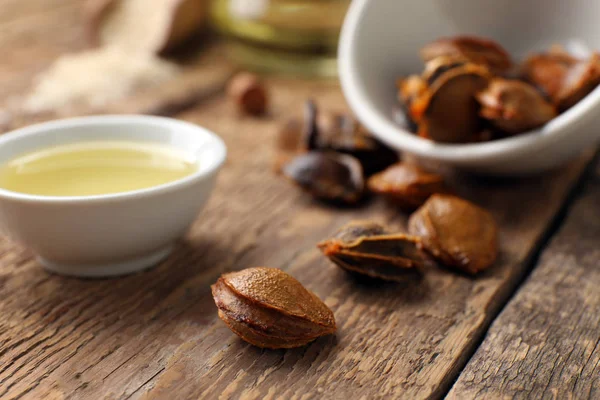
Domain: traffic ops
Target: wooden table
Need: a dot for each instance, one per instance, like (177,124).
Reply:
(528,328)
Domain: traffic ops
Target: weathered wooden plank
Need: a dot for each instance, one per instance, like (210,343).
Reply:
(156,333)
(546,342)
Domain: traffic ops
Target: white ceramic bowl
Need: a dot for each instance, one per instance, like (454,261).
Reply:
(380,42)
(95,236)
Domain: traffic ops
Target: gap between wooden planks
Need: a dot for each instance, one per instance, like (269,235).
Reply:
(546,341)
(156,335)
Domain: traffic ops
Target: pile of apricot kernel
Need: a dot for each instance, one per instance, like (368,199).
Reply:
(471,90)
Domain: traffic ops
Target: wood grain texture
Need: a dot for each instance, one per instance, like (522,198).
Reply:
(156,335)
(546,342)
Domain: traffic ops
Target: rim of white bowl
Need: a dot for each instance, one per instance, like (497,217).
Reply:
(216,143)
(392,134)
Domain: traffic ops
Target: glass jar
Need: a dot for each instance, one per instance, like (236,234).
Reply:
(289,36)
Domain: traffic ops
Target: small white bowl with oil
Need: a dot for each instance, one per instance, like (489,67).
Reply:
(87,224)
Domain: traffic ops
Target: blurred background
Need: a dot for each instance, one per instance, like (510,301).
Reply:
(293,36)
(69,57)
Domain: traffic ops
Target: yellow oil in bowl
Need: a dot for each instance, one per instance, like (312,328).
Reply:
(95,168)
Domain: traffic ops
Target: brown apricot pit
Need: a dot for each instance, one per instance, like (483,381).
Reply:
(513,106)
(248,93)
(578,82)
(451,112)
(547,70)
(268,308)
(367,248)
(565,79)
(456,232)
(406,184)
(473,49)
(335,132)
(441,103)
(328,176)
